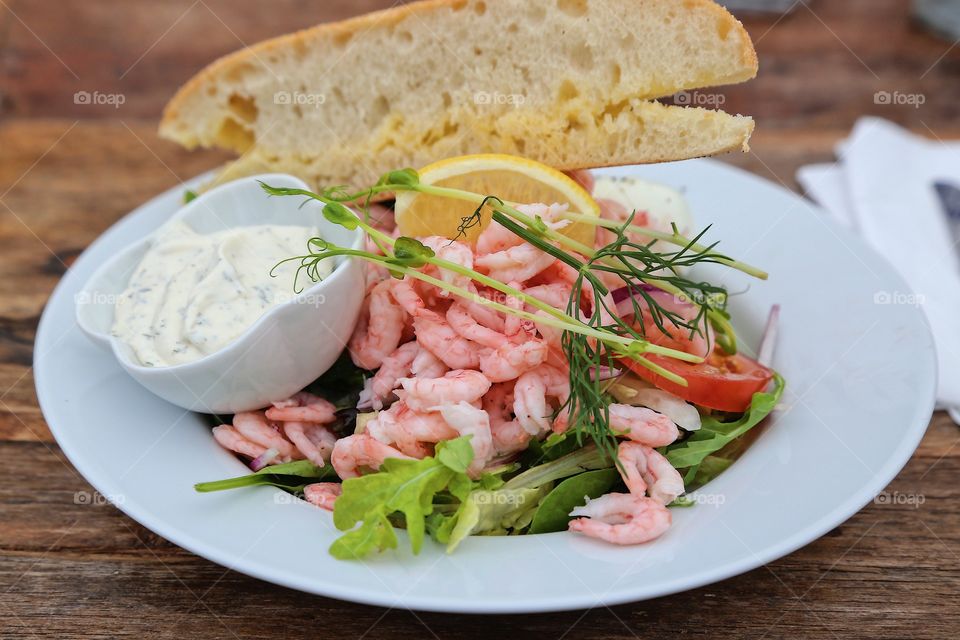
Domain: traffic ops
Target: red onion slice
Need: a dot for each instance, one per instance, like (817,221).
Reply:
(264,459)
(599,374)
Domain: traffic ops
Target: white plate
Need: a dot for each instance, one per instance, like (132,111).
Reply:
(861,378)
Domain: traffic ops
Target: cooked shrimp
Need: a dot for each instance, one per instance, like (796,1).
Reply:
(642,425)
(407,297)
(496,237)
(408,430)
(360,450)
(395,366)
(553,337)
(483,314)
(530,403)
(231,440)
(323,494)
(380,328)
(521,262)
(374,273)
(442,341)
(427,365)
(645,470)
(557,383)
(514,326)
(312,440)
(510,361)
(555,294)
(468,420)
(303,407)
(683,414)
(508,435)
(451,251)
(253,426)
(458,385)
(621,518)
(460,320)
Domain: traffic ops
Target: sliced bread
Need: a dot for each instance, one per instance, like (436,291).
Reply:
(564,82)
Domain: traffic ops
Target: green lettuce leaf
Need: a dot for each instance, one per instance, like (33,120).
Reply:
(486,512)
(713,435)
(406,487)
(553,514)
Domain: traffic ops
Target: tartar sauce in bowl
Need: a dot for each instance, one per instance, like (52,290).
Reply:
(192,294)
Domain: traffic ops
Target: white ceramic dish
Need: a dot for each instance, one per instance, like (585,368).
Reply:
(860,392)
(280,353)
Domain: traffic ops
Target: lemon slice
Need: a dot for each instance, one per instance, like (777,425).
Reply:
(510,178)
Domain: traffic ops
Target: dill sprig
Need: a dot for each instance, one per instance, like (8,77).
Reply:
(635,265)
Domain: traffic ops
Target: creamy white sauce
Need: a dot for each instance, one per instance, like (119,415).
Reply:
(194,294)
(661,203)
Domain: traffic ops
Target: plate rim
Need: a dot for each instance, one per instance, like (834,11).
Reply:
(913,434)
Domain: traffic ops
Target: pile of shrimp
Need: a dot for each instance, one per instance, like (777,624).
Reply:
(291,429)
(447,366)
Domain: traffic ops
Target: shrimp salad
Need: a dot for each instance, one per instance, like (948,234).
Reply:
(510,380)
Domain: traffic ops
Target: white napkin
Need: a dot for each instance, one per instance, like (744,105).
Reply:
(883,188)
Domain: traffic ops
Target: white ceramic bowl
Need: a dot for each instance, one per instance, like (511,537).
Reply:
(280,353)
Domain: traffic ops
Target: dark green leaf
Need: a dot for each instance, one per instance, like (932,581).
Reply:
(553,512)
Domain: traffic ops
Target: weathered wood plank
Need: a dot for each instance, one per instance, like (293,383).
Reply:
(890,571)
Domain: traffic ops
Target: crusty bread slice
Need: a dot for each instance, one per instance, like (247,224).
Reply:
(564,82)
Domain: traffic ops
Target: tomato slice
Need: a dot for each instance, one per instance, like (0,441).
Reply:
(722,381)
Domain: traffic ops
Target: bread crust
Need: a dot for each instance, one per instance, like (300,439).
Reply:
(358,24)
(185,118)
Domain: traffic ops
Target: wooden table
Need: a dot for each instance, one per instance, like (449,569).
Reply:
(68,171)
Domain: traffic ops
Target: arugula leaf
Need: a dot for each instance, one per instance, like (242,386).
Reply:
(288,475)
(401,486)
(189,196)
(710,468)
(554,510)
(713,435)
